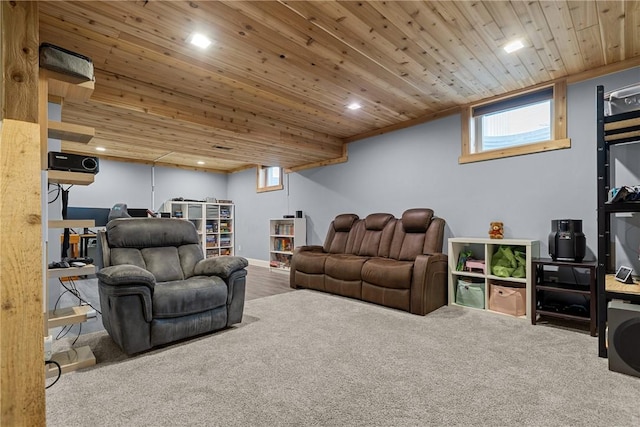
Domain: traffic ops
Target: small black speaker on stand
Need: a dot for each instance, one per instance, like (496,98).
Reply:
(298,214)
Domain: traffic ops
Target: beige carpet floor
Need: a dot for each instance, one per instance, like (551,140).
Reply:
(306,358)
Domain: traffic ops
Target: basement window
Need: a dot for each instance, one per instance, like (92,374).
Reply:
(269,178)
(524,123)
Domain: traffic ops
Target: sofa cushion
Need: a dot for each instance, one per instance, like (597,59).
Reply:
(311,262)
(338,234)
(388,273)
(416,220)
(150,232)
(344,266)
(378,235)
(190,296)
(127,256)
(163,263)
(344,222)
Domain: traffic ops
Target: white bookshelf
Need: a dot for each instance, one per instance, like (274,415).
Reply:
(285,234)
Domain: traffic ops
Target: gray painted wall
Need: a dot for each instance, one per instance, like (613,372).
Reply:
(418,167)
(414,167)
(133,184)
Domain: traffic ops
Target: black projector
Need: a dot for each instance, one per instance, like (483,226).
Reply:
(73,162)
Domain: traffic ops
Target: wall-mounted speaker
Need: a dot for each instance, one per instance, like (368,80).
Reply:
(624,337)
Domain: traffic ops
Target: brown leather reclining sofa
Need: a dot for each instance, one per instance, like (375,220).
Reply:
(394,262)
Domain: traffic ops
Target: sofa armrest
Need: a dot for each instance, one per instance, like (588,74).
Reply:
(223,266)
(126,275)
(429,283)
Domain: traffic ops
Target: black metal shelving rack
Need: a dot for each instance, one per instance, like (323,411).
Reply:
(611,130)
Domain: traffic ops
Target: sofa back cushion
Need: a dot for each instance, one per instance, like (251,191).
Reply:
(338,234)
(416,233)
(377,232)
(168,248)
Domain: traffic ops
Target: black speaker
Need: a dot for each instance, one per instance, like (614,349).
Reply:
(73,162)
(624,337)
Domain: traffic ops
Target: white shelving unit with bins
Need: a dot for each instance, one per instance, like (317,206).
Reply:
(285,234)
(59,86)
(213,221)
(484,249)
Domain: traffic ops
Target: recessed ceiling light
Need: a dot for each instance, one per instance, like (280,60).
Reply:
(101,149)
(200,162)
(513,46)
(354,106)
(200,40)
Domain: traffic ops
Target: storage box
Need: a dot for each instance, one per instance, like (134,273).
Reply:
(623,100)
(470,294)
(507,299)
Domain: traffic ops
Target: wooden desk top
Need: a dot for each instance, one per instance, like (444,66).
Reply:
(612,285)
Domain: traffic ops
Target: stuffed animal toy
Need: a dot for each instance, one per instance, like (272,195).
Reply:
(496,230)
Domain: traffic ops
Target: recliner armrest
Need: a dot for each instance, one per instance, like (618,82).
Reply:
(223,266)
(126,274)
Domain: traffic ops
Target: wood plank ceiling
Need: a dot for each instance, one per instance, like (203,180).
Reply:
(274,87)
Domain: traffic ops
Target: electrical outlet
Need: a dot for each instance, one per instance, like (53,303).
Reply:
(48,347)
(91,314)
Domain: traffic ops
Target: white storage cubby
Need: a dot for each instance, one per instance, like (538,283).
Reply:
(484,249)
(213,221)
(285,234)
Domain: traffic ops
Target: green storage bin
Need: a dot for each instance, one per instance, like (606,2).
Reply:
(470,294)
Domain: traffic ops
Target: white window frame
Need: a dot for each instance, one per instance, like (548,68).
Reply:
(558,139)
(262,181)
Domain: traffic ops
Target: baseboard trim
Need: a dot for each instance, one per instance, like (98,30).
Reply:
(258,262)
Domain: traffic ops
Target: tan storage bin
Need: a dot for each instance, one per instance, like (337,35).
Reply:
(508,299)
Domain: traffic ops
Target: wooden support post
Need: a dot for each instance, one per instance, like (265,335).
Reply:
(22,373)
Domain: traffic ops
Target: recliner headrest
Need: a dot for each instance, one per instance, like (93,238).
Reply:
(416,220)
(150,232)
(344,222)
(377,221)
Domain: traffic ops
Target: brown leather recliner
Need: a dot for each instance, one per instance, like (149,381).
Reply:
(393,262)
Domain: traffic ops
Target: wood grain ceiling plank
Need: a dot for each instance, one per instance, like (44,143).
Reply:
(136,127)
(508,20)
(539,33)
(248,155)
(483,13)
(260,57)
(78,14)
(138,96)
(268,135)
(194,144)
(434,44)
(561,26)
(612,17)
(395,52)
(584,14)
(450,23)
(317,53)
(632,29)
(125,57)
(591,46)
(333,67)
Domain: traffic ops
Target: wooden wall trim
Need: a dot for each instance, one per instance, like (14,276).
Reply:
(22,381)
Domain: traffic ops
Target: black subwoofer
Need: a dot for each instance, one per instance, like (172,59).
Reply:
(624,337)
